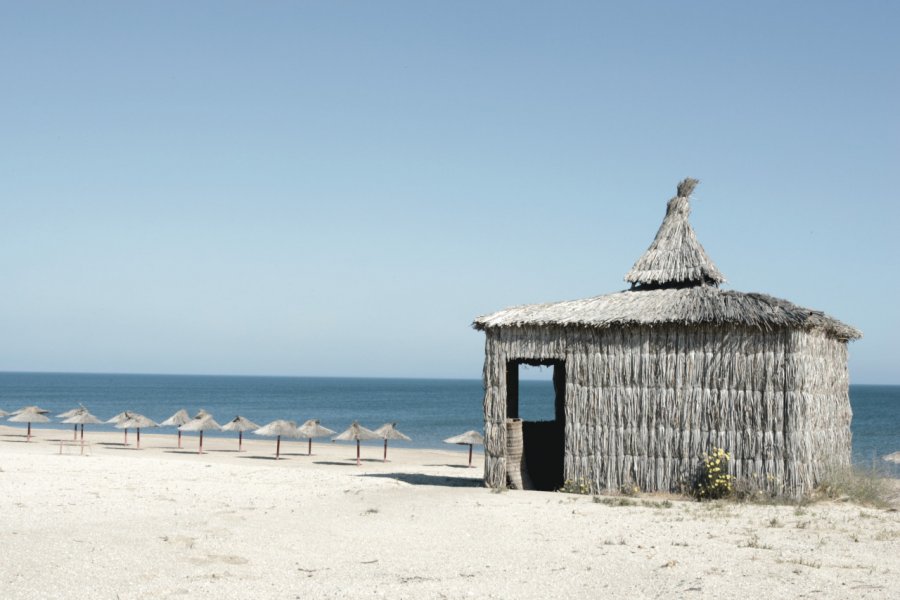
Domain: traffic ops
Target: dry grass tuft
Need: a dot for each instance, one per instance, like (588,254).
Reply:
(867,487)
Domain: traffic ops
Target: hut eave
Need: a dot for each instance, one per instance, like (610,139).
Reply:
(701,305)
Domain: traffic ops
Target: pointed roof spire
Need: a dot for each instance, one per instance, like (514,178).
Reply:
(675,258)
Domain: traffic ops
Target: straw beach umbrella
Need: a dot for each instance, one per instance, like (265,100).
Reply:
(201,424)
(136,421)
(469,438)
(389,431)
(119,418)
(278,428)
(177,420)
(240,424)
(82,417)
(27,416)
(3,413)
(357,432)
(71,413)
(311,429)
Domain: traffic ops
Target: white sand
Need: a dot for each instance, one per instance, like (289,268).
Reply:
(154,523)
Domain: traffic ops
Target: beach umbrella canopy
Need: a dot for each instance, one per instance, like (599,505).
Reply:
(136,421)
(34,409)
(202,414)
(177,420)
(469,438)
(389,431)
(278,429)
(240,424)
(359,433)
(894,457)
(202,424)
(312,429)
(3,413)
(28,416)
(122,416)
(72,412)
(81,417)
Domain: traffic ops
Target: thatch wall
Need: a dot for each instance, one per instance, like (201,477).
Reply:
(643,404)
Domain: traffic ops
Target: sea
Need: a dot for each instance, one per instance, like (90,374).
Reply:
(427,410)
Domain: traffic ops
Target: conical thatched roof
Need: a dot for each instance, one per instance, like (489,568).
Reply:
(136,421)
(202,413)
(389,431)
(357,432)
(179,418)
(279,427)
(469,437)
(29,416)
(675,257)
(240,423)
(82,417)
(674,282)
(206,423)
(312,429)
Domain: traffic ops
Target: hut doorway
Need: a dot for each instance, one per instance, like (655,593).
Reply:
(543,439)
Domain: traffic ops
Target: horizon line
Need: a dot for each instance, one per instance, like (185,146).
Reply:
(270,376)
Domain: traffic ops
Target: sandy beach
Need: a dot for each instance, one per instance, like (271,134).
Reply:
(163,523)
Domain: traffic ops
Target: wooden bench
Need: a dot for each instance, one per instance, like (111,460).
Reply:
(68,444)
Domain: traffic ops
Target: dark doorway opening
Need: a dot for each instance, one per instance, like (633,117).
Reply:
(543,440)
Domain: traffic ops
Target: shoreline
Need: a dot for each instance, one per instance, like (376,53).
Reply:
(225,444)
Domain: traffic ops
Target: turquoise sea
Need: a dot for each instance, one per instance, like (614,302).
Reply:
(427,410)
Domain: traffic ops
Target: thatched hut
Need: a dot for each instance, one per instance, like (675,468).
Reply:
(649,379)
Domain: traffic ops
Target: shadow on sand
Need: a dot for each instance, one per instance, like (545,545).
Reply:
(350,462)
(466,467)
(420,479)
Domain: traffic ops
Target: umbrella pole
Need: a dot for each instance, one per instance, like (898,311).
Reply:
(138,438)
(28,437)
(309,448)
(385,451)
(82,432)
(126,436)
(277,447)
(75,437)
(200,451)
(470,455)
(357,453)
(179,439)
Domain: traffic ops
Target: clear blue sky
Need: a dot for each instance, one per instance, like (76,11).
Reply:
(339,188)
